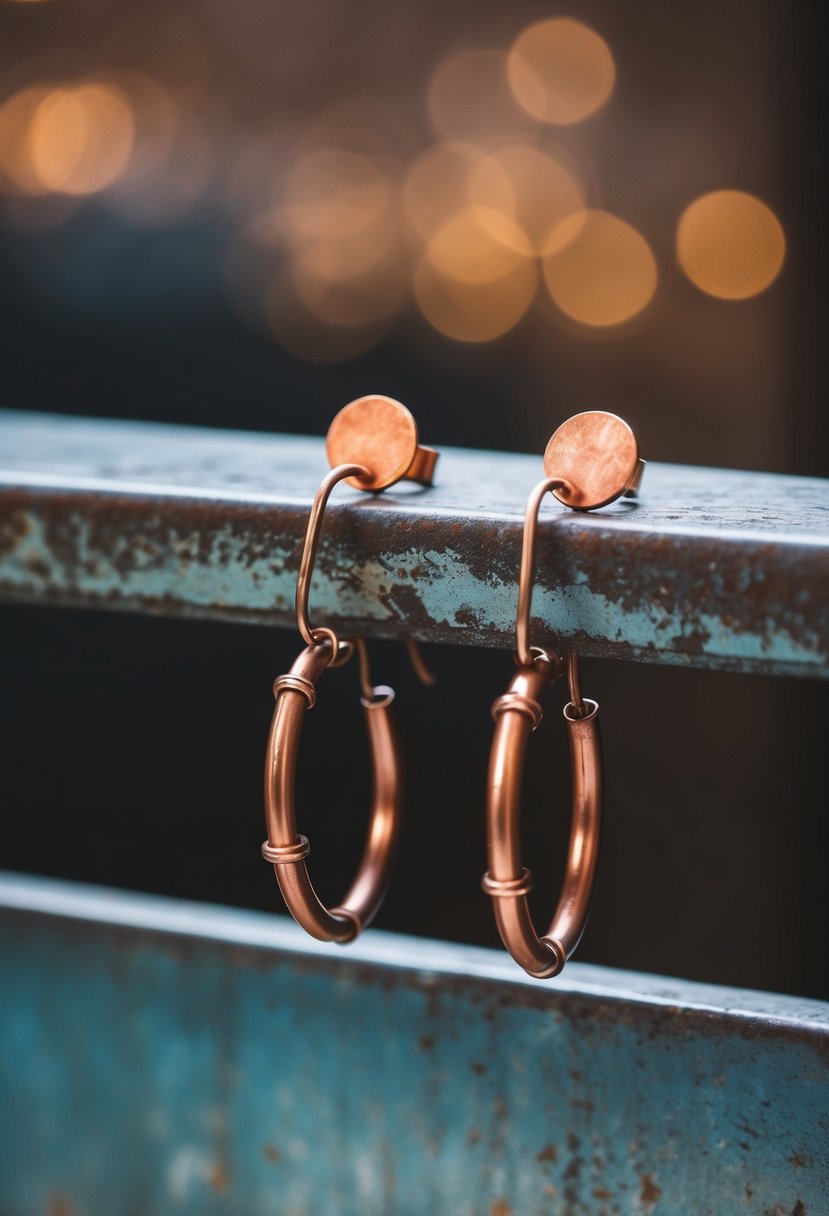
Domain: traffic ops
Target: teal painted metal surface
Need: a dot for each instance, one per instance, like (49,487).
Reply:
(713,568)
(160,1057)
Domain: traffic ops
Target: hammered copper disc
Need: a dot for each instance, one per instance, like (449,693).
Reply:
(379,434)
(597,454)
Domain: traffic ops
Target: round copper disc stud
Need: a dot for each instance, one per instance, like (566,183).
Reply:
(378,433)
(597,454)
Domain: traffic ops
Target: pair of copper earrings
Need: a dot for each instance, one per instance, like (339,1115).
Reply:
(590,461)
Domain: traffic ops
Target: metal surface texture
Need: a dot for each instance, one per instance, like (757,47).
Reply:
(711,568)
(177,1058)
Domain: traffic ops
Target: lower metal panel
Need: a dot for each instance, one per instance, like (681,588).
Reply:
(160,1057)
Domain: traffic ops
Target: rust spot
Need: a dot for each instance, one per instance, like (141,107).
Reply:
(798,1161)
(478,1068)
(650,1192)
(59,1205)
(799,1208)
(500,1208)
(548,1153)
(571,1174)
(601,1192)
(463,616)
(271,1153)
(38,566)
(474,1136)
(219,1178)
(426,1042)
(16,527)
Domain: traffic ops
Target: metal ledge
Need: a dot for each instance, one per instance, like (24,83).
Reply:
(712,568)
(173,1057)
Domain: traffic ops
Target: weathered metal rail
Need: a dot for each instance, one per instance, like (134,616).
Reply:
(712,568)
(169,1057)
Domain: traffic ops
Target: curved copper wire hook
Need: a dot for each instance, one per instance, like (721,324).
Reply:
(396,456)
(517,714)
(309,553)
(526,573)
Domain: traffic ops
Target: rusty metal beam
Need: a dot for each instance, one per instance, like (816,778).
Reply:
(712,568)
(161,1056)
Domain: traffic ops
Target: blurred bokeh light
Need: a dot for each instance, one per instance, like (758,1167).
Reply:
(730,244)
(561,71)
(328,180)
(475,311)
(599,270)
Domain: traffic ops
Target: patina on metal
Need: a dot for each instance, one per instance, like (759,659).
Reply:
(714,568)
(259,1072)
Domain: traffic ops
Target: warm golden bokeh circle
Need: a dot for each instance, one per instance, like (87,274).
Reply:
(438,186)
(598,269)
(478,245)
(474,312)
(560,70)
(541,191)
(16,115)
(362,253)
(80,138)
(334,193)
(469,97)
(74,139)
(730,244)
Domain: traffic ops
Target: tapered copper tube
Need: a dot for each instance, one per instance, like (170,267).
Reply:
(517,713)
(285,848)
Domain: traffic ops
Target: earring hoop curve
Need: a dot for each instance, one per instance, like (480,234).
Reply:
(517,714)
(285,848)
(590,461)
(372,443)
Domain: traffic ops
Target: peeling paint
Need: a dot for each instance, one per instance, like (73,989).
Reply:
(713,569)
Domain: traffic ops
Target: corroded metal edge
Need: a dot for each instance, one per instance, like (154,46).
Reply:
(416,960)
(259,1073)
(719,601)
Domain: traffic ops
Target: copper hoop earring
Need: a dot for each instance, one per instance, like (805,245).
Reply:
(591,460)
(372,443)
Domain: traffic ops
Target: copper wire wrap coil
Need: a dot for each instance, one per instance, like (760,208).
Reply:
(285,848)
(507,882)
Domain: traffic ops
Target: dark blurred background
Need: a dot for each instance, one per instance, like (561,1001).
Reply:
(245,216)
